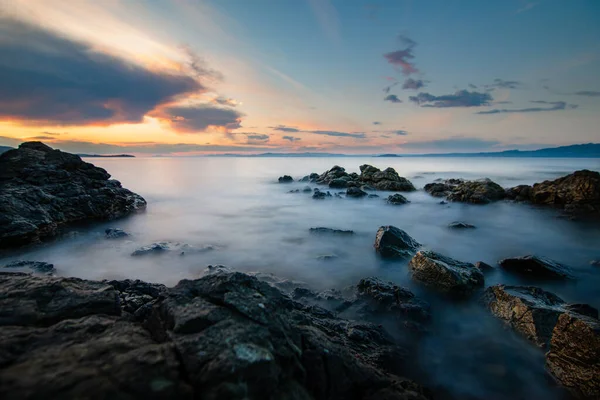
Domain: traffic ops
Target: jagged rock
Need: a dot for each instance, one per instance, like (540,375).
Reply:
(115,233)
(323,230)
(44,190)
(571,332)
(445,274)
(37,267)
(438,189)
(340,183)
(285,179)
(460,225)
(480,191)
(536,267)
(355,192)
(391,242)
(320,195)
(397,199)
(227,335)
(387,179)
(484,267)
(163,247)
(577,193)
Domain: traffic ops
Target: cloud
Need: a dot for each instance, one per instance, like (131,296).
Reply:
(53,133)
(47,78)
(462,98)
(40,138)
(376,123)
(403,58)
(398,132)
(504,84)
(224,101)
(291,138)
(554,106)
(195,119)
(452,144)
(328,19)
(358,135)
(527,6)
(256,138)
(588,93)
(389,87)
(414,84)
(392,98)
(283,128)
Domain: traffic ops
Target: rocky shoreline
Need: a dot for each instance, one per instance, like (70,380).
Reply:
(240,336)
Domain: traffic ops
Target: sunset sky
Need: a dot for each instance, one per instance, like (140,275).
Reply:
(340,76)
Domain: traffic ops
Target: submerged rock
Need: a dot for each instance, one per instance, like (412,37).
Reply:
(577,193)
(306,189)
(536,267)
(285,179)
(163,247)
(320,195)
(37,267)
(460,225)
(44,190)
(391,242)
(355,192)
(571,332)
(115,233)
(397,199)
(445,274)
(480,191)
(323,230)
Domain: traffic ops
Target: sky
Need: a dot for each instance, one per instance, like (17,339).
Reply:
(185,77)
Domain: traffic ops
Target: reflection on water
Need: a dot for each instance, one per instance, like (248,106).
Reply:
(236,205)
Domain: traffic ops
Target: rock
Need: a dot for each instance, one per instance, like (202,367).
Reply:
(595,263)
(285,179)
(43,191)
(372,196)
(313,177)
(306,189)
(438,189)
(443,202)
(387,179)
(391,242)
(339,183)
(460,225)
(484,267)
(327,257)
(323,230)
(577,193)
(305,178)
(480,191)
(37,267)
(294,191)
(115,233)
(536,267)
(397,199)
(368,188)
(334,173)
(320,195)
(570,332)
(227,335)
(355,192)
(164,247)
(445,274)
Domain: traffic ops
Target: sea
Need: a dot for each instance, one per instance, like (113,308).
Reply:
(236,212)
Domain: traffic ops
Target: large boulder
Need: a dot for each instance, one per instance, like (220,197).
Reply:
(387,179)
(355,192)
(577,193)
(225,336)
(571,333)
(397,199)
(43,190)
(285,179)
(481,191)
(445,274)
(536,267)
(392,242)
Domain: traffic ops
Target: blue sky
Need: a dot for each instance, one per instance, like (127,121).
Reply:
(302,75)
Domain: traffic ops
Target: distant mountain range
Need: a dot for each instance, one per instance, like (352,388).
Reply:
(107,155)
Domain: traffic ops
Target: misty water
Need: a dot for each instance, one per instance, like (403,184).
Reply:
(254,224)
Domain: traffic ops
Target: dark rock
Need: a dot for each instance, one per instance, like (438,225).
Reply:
(320,195)
(334,173)
(44,190)
(327,257)
(391,242)
(294,191)
(484,267)
(339,183)
(115,233)
(595,263)
(372,196)
(37,267)
(164,247)
(355,192)
(397,199)
(438,189)
(570,332)
(387,179)
(313,177)
(536,267)
(443,202)
(460,225)
(480,191)
(227,335)
(323,230)
(285,179)
(305,178)
(519,193)
(306,189)
(445,274)
(367,188)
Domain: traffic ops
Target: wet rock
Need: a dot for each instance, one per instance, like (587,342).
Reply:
(355,192)
(323,230)
(537,267)
(285,179)
(227,335)
(397,199)
(480,191)
(36,267)
(445,274)
(387,179)
(460,225)
(443,202)
(165,247)
(43,191)
(339,183)
(391,242)
(484,267)
(115,233)
(438,189)
(320,195)
(306,189)
(577,193)
(570,332)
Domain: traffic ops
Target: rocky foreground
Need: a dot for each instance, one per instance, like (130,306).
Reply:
(43,190)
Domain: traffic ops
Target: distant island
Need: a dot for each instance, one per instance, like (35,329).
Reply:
(389,155)
(588,150)
(106,155)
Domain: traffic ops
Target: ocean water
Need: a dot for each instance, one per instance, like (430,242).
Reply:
(236,206)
